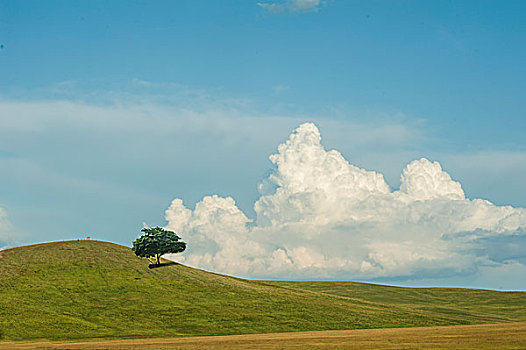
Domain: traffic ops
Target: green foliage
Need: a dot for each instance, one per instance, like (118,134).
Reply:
(156,242)
(90,289)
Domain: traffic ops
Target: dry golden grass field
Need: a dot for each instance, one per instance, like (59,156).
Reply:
(488,336)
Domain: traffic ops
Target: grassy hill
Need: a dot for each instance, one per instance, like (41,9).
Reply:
(90,289)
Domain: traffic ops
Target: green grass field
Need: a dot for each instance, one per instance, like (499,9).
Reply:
(89,289)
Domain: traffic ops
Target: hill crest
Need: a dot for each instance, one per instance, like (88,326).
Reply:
(92,289)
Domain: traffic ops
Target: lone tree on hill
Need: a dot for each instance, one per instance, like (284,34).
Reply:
(156,242)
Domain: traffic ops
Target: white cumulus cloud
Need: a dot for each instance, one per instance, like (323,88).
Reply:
(319,216)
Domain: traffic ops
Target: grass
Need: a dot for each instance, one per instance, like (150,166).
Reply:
(457,303)
(494,336)
(89,289)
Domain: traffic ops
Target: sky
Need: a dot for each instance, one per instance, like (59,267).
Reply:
(380,141)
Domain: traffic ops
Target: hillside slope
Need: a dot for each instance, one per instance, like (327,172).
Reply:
(90,289)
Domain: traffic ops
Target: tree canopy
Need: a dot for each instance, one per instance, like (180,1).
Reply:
(156,242)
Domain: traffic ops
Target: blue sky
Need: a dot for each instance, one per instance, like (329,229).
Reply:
(108,111)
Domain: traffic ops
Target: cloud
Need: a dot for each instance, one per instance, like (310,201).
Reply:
(272,7)
(489,172)
(81,162)
(278,89)
(295,6)
(304,5)
(7,233)
(318,217)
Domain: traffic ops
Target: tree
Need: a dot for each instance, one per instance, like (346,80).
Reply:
(156,242)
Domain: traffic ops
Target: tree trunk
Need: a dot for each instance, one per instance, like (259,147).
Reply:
(158,261)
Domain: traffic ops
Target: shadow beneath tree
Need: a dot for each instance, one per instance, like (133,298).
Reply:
(167,263)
